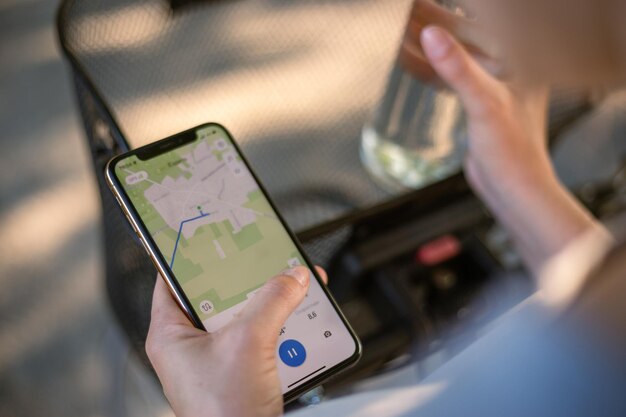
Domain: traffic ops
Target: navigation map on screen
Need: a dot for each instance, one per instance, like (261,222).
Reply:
(208,217)
(221,238)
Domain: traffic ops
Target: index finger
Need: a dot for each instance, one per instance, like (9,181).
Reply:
(164,307)
(427,13)
(322,273)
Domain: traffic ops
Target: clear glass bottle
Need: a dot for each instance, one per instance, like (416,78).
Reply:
(417,133)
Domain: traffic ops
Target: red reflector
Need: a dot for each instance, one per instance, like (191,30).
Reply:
(438,250)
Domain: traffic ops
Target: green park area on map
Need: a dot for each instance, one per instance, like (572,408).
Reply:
(215,263)
(258,252)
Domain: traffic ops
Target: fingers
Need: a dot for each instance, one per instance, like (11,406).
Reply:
(164,307)
(322,273)
(167,323)
(411,55)
(165,310)
(276,300)
(477,89)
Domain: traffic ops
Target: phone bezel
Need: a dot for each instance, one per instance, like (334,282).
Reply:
(173,142)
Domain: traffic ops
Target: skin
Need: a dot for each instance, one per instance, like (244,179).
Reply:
(565,43)
(507,162)
(233,372)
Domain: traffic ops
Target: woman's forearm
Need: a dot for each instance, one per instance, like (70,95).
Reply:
(542,216)
(507,161)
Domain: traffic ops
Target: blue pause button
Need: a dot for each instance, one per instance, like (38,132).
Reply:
(292,353)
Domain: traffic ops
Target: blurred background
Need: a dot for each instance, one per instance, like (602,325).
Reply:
(295,82)
(53,317)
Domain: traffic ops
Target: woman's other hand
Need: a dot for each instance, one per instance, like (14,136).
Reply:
(507,162)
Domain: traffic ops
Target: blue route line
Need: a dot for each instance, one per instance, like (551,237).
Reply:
(180,230)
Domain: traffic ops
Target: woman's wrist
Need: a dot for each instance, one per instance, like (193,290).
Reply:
(541,215)
(503,190)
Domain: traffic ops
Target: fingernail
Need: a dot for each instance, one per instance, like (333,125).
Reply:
(436,42)
(300,274)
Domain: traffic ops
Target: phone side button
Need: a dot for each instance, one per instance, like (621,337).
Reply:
(132,224)
(143,242)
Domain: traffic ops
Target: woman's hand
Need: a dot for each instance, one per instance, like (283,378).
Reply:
(232,372)
(428,12)
(508,163)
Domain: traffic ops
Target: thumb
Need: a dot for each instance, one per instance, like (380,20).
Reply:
(475,86)
(276,300)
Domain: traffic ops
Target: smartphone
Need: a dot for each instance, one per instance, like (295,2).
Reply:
(215,236)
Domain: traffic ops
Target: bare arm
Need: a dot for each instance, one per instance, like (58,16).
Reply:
(508,164)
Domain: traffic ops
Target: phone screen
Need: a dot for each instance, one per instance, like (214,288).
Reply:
(221,238)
